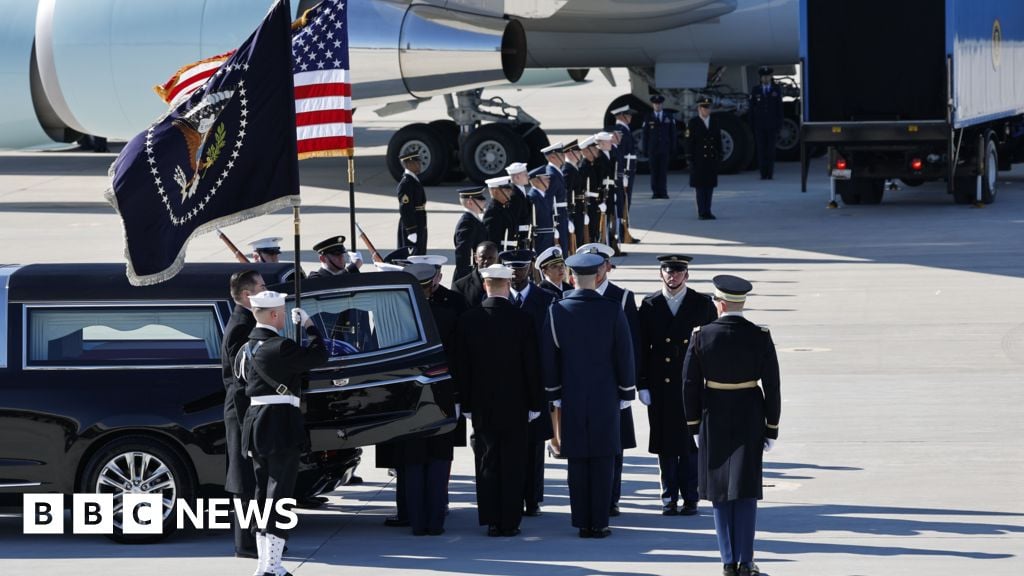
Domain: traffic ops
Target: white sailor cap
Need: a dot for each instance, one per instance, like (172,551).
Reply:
(388,267)
(268,244)
(267,299)
(499,182)
(587,142)
(556,147)
(596,248)
(603,136)
(498,271)
(515,168)
(552,255)
(432,259)
(622,110)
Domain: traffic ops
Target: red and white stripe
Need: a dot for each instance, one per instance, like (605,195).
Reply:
(190,78)
(323,113)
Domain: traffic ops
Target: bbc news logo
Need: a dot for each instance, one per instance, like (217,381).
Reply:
(144,514)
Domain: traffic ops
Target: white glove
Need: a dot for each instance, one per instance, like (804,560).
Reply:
(458,410)
(467,415)
(557,235)
(769,443)
(299,316)
(645,397)
(531,416)
(586,219)
(354,257)
(412,237)
(623,404)
(602,207)
(696,440)
(556,403)
(572,229)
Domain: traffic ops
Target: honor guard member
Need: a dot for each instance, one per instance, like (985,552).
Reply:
(590,183)
(573,194)
(471,286)
(542,221)
(557,192)
(519,202)
(704,153)
(239,480)
(266,250)
(534,301)
(766,118)
(605,168)
(588,369)
(500,215)
(666,322)
(496,366)
(659,144)
(469,230)
(552,271)
(627,302)
(412,206)
(732,418)
(332,258)
(273,433)
(627,153)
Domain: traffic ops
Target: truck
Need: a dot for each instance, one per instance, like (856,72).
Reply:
(916,90)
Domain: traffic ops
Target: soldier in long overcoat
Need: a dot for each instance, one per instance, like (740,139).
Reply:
(766,113)
(704,153)
(733,419)
(665,323)
(412,206)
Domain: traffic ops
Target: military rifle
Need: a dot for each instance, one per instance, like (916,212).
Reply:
(231,246)
(626,236)
(377,258)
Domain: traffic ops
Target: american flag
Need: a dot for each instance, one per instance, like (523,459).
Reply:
(323,93)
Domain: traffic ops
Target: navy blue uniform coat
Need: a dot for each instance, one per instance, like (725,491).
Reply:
(240,479)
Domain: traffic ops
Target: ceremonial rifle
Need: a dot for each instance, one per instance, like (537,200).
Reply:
(231,246)
(377,258)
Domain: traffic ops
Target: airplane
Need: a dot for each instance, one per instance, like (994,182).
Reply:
(74,68)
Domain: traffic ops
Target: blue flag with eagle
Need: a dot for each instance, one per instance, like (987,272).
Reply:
(225,154)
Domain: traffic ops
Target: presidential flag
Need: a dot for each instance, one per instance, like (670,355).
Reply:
(225,153)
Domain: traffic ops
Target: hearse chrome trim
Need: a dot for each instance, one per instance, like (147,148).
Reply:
(19,484)
(5,276)
(421,380)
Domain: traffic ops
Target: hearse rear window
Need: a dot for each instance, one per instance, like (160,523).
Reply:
(362,322)
(123,336)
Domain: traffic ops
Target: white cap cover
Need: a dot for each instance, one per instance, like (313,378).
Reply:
(267,299)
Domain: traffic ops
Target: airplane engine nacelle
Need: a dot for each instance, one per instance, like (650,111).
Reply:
(98,60)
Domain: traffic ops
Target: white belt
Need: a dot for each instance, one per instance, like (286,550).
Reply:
(524,228)
(279,399)
(591,194)
(561,204)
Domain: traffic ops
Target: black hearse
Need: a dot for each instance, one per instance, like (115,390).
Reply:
(105,386)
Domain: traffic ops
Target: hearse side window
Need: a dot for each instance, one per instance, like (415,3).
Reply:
(123,336)
(362,322)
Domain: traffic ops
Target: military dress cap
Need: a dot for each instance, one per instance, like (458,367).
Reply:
(603,136)
(675,261)
(595,248)
(552,255)
(410,156)
(584,264)
(516,258)
(332,244)
(588,142)
(267,299)
(499,182)
(556,147)
(765,71)
(569,147)
(424,273)
(704,101)
(497,271)
(432,259)
(515,168)
(538,172)
(388,267)
(398,256)
(476,192)
(272,245)
(622,110)
(731,288)
(657,98)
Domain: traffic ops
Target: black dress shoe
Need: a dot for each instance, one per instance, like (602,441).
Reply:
(729,570)
(396,522)
(246,553)
(600,532)
(354,480)
(419,532)
(751,570)
(311,502)
(711,216)
(659,197)
(436,531)
(510,532)
(493,531)
(585,533)
(614,510)
(532,511)
(689,508)
(669,510)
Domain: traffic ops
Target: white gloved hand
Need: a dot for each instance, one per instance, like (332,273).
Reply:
(623,404)
(354,257)
(556,403)
(572,229)
(645,397)
(696,440)
(299,316)
(458,410)
(412,237)
(467,415)
(557,235)
(586,219)
(769,443)
(602,207)
(531,416)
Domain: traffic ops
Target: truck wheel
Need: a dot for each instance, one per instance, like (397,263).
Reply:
(139,465)
(448,130)
(489,149)
(431,147)
(990,183)
(787,143)
(846,190)
(870,190)
(737,143)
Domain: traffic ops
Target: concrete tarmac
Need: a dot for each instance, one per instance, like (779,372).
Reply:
(900,331)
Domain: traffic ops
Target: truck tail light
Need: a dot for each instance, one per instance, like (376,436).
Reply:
(916,164)
(435,371)
(840,163)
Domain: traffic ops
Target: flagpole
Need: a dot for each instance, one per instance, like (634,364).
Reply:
(298,267)
(352,195)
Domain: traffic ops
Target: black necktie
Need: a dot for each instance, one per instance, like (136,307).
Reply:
(519,300)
